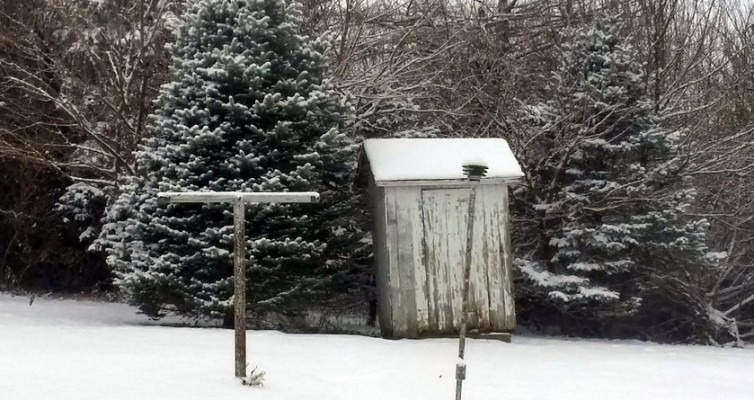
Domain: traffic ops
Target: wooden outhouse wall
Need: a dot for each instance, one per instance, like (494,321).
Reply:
(419,243)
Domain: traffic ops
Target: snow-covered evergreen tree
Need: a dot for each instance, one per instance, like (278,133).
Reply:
(248,109)
(82,206)
(602,205)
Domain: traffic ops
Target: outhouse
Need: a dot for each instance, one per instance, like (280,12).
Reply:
(419,208)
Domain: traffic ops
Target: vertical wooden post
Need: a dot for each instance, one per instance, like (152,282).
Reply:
(239,199)
(239,281)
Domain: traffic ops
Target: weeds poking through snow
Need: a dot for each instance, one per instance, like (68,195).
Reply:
(255,378)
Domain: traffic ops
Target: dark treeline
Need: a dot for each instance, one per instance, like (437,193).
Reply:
(78,80)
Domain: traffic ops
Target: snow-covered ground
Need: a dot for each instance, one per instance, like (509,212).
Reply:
(61,350)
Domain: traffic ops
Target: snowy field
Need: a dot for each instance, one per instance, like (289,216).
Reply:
(84,350)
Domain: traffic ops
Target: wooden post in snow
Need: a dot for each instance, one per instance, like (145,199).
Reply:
(239,285)
(239,200)
(474,173)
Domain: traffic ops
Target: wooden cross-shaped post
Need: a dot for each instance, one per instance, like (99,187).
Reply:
(239,200)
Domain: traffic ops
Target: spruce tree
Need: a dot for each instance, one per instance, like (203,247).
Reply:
(606,190)
(247,109)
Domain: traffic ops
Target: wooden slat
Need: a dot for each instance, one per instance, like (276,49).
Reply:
(456,205)
(405,202)
(411,259)
(433,205)
(507,263)
(479,288)
(495,264)
(246,197)
(421,281)
(430,264)
(394,274)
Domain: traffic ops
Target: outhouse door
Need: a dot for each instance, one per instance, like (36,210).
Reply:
(445,222)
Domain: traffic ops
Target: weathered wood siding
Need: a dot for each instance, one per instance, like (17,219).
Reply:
(381,259)
(420,260)
(405,266)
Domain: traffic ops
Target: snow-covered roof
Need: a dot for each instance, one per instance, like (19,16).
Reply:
(416,160)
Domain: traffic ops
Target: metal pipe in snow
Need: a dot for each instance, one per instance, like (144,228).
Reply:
(475,174)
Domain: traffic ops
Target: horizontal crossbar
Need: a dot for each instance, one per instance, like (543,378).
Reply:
(245,197)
